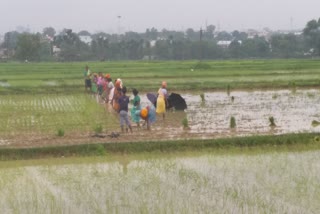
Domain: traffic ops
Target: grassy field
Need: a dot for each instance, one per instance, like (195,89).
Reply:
(46,114)
(41,99)
(36,78)
(252,174)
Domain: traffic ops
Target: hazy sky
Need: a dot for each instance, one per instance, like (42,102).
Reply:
(137,15)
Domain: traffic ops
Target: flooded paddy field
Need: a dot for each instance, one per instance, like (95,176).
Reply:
(292,111)
(273,182)
(34,121)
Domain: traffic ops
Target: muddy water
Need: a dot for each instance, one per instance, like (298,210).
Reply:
(293,112)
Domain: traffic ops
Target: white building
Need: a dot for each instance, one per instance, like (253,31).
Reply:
(224,44)
(86,39)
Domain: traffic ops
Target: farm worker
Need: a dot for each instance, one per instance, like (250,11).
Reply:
(148,114)
(94,80)
(136,107)
(110,90)
(123,110)
(161,100)
(116,94)
(87,78)
(100,83)
(105,91)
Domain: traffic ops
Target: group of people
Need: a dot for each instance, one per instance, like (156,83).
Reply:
(115,94)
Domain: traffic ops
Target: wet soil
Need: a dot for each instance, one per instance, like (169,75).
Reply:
(292,110)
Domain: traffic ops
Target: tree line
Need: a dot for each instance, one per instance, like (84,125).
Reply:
(205,44)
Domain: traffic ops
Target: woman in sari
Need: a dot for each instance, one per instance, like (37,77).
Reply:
(116,95)
(162,99)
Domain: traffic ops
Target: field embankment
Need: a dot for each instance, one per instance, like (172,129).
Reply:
(301,141)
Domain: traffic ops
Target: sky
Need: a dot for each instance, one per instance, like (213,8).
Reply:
(118,16)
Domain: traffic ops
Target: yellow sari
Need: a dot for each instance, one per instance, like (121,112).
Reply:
(161,103)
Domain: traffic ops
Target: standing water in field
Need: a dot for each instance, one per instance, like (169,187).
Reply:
(292,112)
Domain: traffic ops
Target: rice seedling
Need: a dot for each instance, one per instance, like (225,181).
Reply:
(271,122)
(60,132)
(310,94)
(98,129)
(228,90)
(315,123)
(293,87)
(185,123)
(202,98)
(274,96)
(232,122)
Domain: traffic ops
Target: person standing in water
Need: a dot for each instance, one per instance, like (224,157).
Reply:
(162,99)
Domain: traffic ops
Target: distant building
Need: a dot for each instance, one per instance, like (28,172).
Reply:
(55,50)
(3,54)
(224,44)
(86,39)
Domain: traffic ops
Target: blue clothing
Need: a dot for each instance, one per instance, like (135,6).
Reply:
(123,103)
(152,114)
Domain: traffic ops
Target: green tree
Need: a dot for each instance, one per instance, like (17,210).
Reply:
(28,47)
(286,45)
(49,31)
(208,34)
(255,47)
(10,40)
(235,50)
(84,33)
(239,35)
(224,36)
(312,34)
(192,35)
(72,48)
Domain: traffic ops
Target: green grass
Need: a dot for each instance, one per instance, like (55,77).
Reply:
(160,146)
(45,114)
(146,76)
